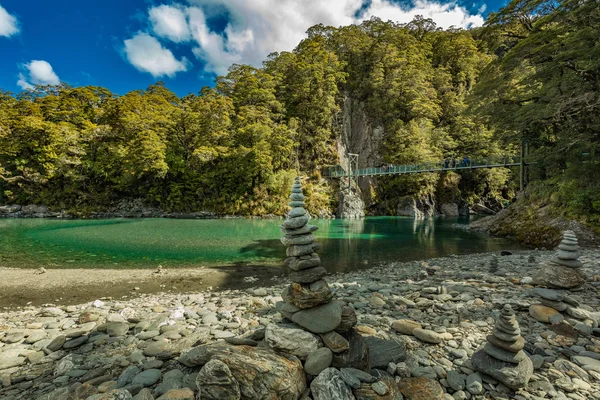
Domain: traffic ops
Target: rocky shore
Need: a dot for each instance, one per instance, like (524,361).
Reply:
(423,321)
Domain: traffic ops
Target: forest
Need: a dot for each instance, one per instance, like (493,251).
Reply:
(530,75)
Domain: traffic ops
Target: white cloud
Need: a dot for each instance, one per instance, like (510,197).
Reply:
(444,15)
(257,28)
(40,73)
(146,54)
(170,22)
(9,25)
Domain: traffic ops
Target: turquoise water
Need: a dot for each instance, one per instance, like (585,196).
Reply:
(146,243)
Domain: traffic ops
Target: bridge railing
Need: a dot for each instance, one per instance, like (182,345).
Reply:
(445,165)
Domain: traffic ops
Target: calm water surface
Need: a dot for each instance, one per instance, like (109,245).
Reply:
(146,243)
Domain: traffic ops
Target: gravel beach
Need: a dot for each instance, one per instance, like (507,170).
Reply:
(438,312)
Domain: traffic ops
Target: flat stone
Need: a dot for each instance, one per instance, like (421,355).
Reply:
(514,376)
(567,255)
(298,231)
(405,326)
(295,223)
(382,351)
(513,347)
(301,250)
(567,263)
(335,342)
(35,337)
(154,348)
(296,212)
(505,336)
(321,319)
(299,264)
(296,197)
(541,313)
(557,305)
(317,361)
(71,344)
(503,355)
(296,203)
(548,294)
(309,275)
(588,363)
(241,341)
(309,295)
(421,388)
(568,247)
(308,238)
(427,335)
(147,378)
(554,275)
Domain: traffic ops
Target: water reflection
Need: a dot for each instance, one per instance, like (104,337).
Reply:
(345,244)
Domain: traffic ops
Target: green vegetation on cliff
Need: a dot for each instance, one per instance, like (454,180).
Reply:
(531,74)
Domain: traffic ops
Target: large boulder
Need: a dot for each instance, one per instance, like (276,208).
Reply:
(261,373)
(449,210)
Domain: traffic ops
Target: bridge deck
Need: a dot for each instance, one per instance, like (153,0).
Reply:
(500,162)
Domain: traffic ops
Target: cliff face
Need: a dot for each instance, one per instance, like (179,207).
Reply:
(359,136)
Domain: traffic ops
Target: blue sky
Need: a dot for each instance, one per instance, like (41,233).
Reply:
(129,44)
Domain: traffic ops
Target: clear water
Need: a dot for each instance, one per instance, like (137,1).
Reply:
(146,243)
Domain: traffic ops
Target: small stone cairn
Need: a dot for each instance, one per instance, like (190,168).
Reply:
(503,357)
(494,264)
(308,300)
(564,270)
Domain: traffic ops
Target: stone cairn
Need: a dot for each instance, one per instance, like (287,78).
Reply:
(503,357)
(564,270)
(308,300)
(494,264)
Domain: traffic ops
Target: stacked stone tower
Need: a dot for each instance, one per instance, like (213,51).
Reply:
(564,270)
(503,357)
(308,300)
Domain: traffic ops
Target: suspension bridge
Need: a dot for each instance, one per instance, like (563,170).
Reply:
(352,170)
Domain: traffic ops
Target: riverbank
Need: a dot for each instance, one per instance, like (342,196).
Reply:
(102,352)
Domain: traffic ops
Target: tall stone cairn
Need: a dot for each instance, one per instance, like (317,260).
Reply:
(308,300)
(503,357)
(564,270)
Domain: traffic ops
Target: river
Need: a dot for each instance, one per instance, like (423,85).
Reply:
(346,245)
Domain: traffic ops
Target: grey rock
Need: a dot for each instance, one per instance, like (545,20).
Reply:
(456,380)
(317,361)
(382,351)
(216,382)
(285,380)
(127,376)
(427,335)
(514,376)
(329,385)
(292,340)
(117,328)
(309,275)
(321,319)
(335,342)
(147,378)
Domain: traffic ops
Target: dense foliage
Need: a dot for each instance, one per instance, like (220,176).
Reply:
(544,89)
(530,74)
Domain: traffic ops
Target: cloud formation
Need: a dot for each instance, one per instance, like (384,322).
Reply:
(9,25)
(37,72)
(170,23)
(146,54)
(256,28)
